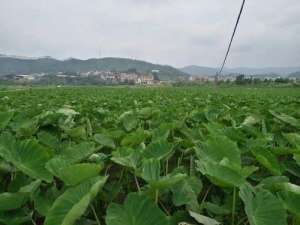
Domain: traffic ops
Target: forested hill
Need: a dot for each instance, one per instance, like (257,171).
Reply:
(17,65)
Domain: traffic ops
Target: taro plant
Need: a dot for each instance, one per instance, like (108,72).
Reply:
(145,156)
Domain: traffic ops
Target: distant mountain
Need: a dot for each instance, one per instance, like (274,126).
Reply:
(25,65)
(209,71)
(296,74)
(199,70)
(283,71)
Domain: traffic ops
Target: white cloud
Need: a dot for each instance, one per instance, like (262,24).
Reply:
(177,32)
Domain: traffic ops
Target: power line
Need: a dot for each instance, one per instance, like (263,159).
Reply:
(232,37)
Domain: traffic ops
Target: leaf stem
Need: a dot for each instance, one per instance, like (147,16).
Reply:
(167,166)
(242,221)
(107,169)
(180,159)
(156,196)
(95,215)
(164,208)
(233,206)
(205,196)
(121,176)
(137,183)
(191,165)
(33,222)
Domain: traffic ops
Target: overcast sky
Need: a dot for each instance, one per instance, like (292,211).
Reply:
(176,32)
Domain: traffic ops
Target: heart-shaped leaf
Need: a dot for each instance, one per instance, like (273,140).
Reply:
(262,207)
(28,156)
(68,207)
(137,210)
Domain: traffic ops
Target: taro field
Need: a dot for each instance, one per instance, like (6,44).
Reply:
(150,156)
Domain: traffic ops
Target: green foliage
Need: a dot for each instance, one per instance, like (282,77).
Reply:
(28,156)
(104,140)
(268,160)
(68,207)
(262,207)
(186,192)
(14,218)
(290,196)
(220,160)
(73,174)
(204,219)
(5,117)
(137,210)
(159,149)
(137,156)
(9,201)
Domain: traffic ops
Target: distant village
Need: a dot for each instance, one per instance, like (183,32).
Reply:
(133,77)
(123,77)
(97,77)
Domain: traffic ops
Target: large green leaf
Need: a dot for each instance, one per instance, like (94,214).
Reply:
(271,183)
(31,188)
(262,207)
(286,119)
(14,217)
(217,147)
(186,192)
(151,170)
(251,120)
(134,138)
(162,132)
(5,117)
(67,112)
(48,139)
(219,159)
(129,121)
(27,156)
(268,160)
(105,140)
(73,174)
(147,112)
(6,167)
(77,153)
(137,210)
(77,133)
(217,209)
(56,164)
(181,217)
(297,158)
(43,200)
(151,173)
(68,207)
(17,181)
(293,139)
(127,157)
(203,219)
(27,127)
(221,174)
(167,181)
(158,149)
(290,196)
(9,201)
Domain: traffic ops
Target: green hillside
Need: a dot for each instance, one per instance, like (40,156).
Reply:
(11,65)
